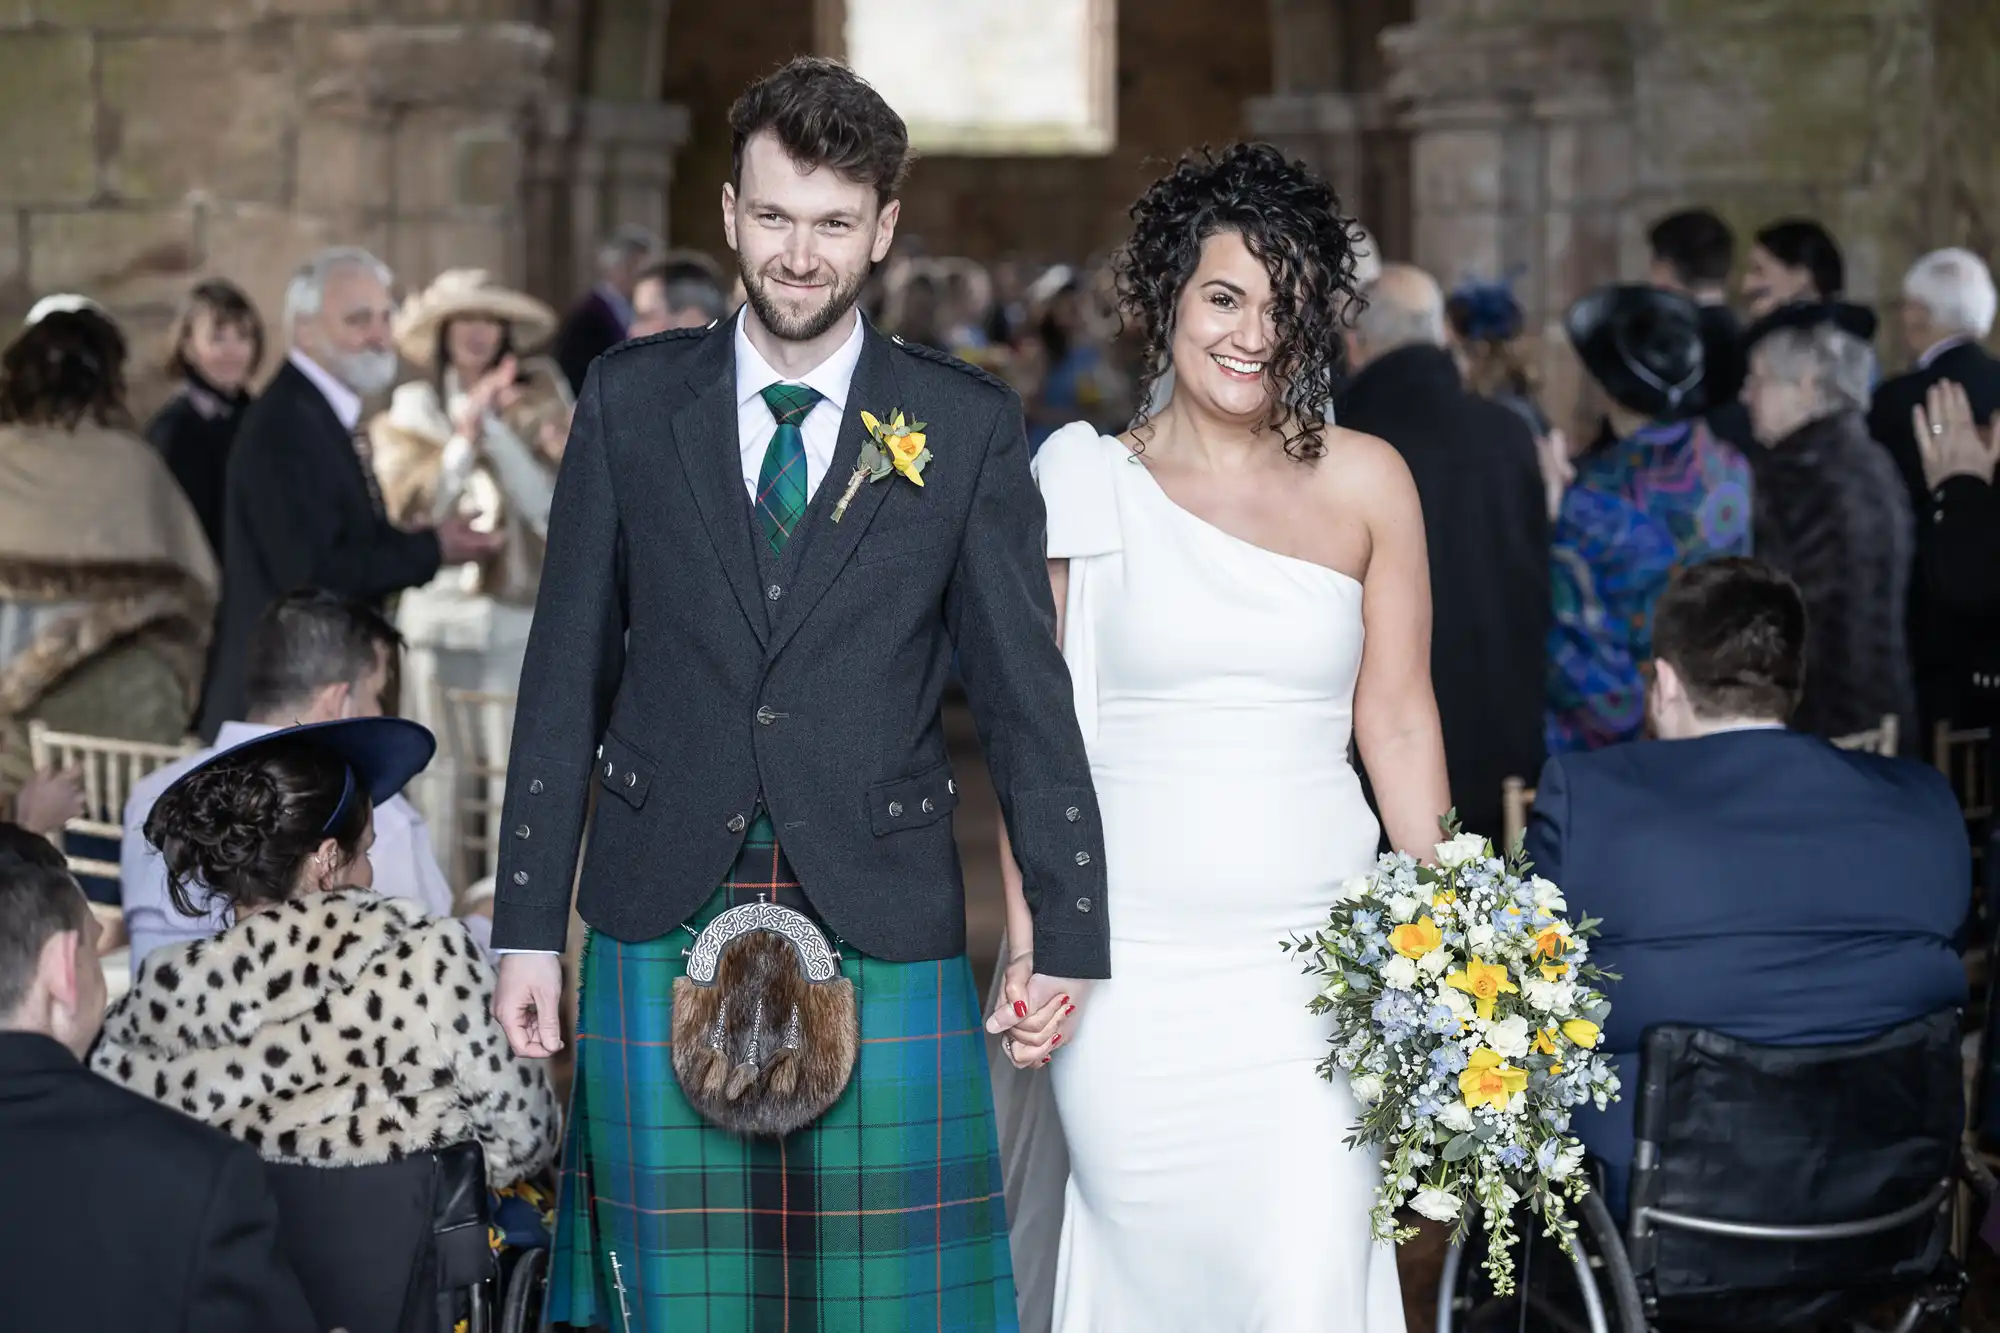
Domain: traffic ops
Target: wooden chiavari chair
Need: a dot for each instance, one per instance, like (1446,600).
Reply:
(1881,739)
(478,725)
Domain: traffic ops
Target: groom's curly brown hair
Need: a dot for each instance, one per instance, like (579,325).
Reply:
(824,115)
(1291,220)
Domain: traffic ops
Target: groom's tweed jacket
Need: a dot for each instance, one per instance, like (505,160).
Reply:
(689,681)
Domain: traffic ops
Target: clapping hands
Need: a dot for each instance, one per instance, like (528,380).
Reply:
(1948,441)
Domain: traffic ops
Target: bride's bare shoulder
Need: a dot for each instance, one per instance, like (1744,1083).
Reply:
(1361,468)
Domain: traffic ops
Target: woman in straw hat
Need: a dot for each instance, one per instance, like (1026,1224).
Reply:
(480,435)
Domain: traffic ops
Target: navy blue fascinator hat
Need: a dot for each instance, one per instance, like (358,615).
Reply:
(1484,311)
(382,754)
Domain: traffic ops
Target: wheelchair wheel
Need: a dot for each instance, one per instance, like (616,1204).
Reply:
(527,1286)
(1590,1291)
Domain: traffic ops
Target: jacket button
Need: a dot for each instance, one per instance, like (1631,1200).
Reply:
(1072,814)
(951,785)
(1083,858)
(765,717)
(610,770)
(535,787)
(774,592)
(631,779)
(928,807)
(520,877)
(895,809)
(1083,904)
(521,832)
(737,823)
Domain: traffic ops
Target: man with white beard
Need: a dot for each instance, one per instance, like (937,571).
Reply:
(301,507)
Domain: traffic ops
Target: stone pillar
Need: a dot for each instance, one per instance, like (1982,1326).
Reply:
(152,144)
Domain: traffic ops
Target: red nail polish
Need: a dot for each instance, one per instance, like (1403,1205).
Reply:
(1020,1009)
(1065,999)
(1057,1041)
(1045,1059)
(1067,1012)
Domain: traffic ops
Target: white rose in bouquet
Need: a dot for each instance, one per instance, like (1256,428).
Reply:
(1567,1161)
(1434,963)
(1547,896)
(1479,936)
(1404,907)
(1367,1089)
(1456,1116)
(1546,997)
(1461,850)
(1400,972)
(1437,1205)
(1508,1037)
(1351,890)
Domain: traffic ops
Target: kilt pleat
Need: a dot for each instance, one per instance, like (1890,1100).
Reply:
(888,1213)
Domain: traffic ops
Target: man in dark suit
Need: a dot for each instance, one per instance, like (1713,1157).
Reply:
(132,1216)
(1948,306)
(1487,526)
(746,624)
(301,507)
(602,317)
(1693,253)
(1751,879)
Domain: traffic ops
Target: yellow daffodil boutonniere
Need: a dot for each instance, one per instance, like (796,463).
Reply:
(893,446)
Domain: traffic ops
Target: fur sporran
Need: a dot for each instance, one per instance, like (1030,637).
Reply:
(765,1026)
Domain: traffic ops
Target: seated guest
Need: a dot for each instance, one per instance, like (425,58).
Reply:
(1832,516)
(132,1217)
(1660,493)
(216,345)
(682,291)
(314,658)
(329,1025)
(107,586)
(1751,879)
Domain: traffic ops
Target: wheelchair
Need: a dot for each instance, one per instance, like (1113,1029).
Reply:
(1771,1188)
(405,1247)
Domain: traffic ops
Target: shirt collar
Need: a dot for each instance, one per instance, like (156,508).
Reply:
(832,378)
(1939,348)
(231,734)
(346,403)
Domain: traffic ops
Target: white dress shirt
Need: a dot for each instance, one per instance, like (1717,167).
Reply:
(755,425)
(346,403)
(405,864)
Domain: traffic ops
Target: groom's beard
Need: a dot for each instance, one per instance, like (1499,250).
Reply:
(840,299)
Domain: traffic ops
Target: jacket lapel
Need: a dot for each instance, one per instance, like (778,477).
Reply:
(827,545)
(706,434)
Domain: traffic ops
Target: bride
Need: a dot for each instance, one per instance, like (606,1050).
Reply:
(1217,570)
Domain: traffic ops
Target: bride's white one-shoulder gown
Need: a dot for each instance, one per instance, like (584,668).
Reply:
(1209,1188)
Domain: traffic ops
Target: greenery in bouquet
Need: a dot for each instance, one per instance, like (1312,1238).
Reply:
(1466,1022)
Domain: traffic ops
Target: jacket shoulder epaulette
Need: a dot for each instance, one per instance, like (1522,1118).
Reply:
(670,335)
(927,353)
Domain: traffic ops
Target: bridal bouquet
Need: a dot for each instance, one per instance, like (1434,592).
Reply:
(1465,1022)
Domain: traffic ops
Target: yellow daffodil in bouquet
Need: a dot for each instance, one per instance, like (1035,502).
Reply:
(1466,1022)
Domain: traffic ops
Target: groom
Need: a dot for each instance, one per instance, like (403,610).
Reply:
(741,641)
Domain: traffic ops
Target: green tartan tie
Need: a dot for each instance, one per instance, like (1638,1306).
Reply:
(781,482)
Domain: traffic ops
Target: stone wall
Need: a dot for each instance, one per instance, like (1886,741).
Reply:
(151,142)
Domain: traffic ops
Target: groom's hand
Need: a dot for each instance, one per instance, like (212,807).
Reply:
(527,1003)
(1035,1014)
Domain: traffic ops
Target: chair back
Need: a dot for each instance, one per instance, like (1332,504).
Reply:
(1879,739)
(478,726)
(1792,1171)
(110,768)
(376,1247)
(1517,800)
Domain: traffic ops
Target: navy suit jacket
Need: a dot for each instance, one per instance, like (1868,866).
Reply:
(1765,884)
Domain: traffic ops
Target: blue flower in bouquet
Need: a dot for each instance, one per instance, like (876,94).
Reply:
(1546,1155)
(1513,1156)
(1396,1014)
(1447,1060)
(1365,922)
(1444,1023)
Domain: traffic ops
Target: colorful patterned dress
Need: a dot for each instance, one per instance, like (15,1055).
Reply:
(1669,495)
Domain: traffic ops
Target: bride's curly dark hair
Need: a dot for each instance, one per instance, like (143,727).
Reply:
(1291,220)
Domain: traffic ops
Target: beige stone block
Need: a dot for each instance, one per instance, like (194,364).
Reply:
(1453,245)
(201,112)
(48,111)
(487,171)
(1588,162)
(342,166)
(1699,13)
(118,256)
(258,249)
(423,249)
(425,156)
(1765,104)
(110,15)
(1582,250)
(1458,170)
(366,69)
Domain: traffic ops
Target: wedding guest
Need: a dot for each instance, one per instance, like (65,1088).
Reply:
(315,657)
(216,345)
(1739,866)
(143,1220)
(1830,513)
(1794,259)
(1693,252)
(328,1025)
(602,317)
(1486,330)
(1661,493)
(479,437)
(1948,307)
(1958,547)
(302,507)
(107,585)
(681,291)
(1484,524)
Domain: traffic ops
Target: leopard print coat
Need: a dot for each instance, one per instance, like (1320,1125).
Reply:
(339,1029)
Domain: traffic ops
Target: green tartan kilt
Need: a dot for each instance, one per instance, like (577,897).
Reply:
(889,1213)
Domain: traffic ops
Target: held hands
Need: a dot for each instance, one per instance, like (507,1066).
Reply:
(1948,441)
(527,1003)
(1036,1014)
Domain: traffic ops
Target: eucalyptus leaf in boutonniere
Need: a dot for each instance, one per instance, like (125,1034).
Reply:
(893,446)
